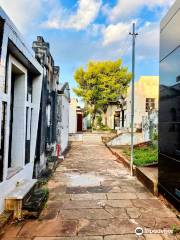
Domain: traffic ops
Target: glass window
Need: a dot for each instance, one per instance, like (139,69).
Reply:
(28,134)
(29,88)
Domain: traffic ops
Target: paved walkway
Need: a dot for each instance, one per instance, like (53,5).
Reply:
(92,197)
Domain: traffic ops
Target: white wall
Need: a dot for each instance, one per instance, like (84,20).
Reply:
(72,116)
(125,139)
(64,123)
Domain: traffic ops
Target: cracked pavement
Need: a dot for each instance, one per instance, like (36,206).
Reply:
(93,197)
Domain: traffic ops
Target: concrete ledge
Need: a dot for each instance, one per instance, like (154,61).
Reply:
(148,176)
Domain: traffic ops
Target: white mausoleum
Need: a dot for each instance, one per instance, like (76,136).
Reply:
(20,93)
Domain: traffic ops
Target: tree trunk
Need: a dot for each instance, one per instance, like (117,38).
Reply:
(105,118)
(93,119)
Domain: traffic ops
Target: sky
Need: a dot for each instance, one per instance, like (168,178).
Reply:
(82,30)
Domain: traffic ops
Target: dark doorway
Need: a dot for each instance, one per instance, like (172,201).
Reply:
(117,120)
(13,77)
(3,126)
(123,118)
(79,122)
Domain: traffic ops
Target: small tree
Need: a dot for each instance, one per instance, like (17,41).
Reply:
(100,84)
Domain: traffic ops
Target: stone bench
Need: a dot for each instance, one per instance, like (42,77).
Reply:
(14,200)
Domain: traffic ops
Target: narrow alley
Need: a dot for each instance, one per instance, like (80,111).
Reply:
(93,197)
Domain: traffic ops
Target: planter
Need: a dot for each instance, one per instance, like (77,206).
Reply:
(148,180)
(33,206)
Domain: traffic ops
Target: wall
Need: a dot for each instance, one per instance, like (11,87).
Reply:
(145,87)
(125,139)
(73,116)
(64,123)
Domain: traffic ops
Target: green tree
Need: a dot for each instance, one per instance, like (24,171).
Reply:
(101,83)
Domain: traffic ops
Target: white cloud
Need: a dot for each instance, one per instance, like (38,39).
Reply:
(23,12)
(127,8)
(87,11)
(148,41)
(95,30)
(116,36)
(115,33)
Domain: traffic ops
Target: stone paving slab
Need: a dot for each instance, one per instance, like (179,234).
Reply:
(83,190)
(15,238)
(123,237)
(134,213)
(70,238)
(117,212)
(121,196)
(89,196)
(148,204)
(107,227)
(93,197)
(12,230)
(146,195)
(85,213)
(49,228)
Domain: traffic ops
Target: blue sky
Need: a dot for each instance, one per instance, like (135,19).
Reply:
(83,30)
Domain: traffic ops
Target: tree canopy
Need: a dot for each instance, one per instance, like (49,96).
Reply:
(101,83)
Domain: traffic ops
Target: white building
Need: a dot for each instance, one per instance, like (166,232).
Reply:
(20,93)
(63,99)
(73,116)
(76,123)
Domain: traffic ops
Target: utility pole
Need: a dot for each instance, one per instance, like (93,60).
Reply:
(133,34)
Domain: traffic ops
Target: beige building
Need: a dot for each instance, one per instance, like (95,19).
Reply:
(118,115)
(146,99)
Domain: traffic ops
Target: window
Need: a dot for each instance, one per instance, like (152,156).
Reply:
(150,104)
(28,134)
(29,88)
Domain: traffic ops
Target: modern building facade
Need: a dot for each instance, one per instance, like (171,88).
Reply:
(169,106)
(20,94)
